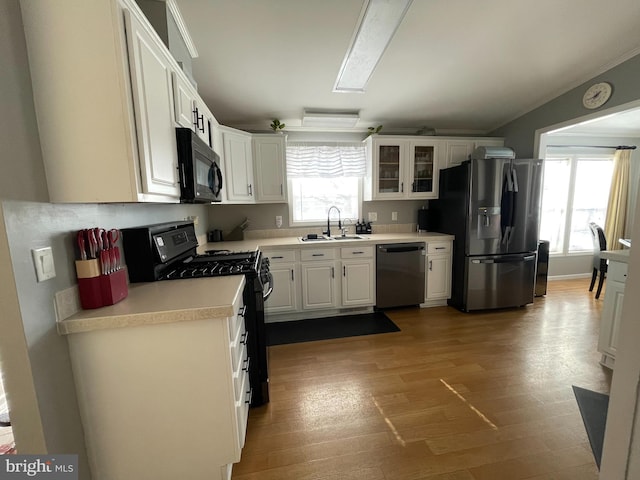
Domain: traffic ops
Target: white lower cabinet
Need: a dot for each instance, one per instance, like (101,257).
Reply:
(286,282)
(167,390)
(438,271)
(358,276)
(325,280)
(319,279)
(612,313)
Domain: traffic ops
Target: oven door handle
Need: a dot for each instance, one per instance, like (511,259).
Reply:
(268,293)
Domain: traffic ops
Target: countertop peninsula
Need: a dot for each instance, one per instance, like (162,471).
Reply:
(616,255)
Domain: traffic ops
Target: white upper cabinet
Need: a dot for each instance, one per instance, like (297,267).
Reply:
(401,168)
(270,168)
(185,101)
(151,74)
(254,166)
(103,96)
(238,163)
(457,150)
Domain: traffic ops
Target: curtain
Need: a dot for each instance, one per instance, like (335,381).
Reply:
(618,197)
(306,160)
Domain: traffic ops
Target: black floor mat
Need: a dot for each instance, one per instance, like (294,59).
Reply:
(298,331)
(593,408)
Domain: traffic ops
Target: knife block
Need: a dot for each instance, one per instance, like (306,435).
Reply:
(114,286)
(97,290)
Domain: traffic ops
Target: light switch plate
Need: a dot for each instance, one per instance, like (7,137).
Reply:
(43,260)
(394,216)
(278,221)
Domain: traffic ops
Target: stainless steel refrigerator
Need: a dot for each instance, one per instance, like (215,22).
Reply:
(491,203)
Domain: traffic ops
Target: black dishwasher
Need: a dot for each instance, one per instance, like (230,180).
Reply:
(400,274)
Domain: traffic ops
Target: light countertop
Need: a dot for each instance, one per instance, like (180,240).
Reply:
(291,242)
(204,298)
(616,255)
(162,302)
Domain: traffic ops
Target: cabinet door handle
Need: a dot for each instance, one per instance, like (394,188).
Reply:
(441,248)
(402,187)
(281,190)
(317,254)
(357,253)
(333,272)
(243,338)
(344,271)
(280,257)
(242,311)
(246,363)
(250,190)
(292,275)
(430,265)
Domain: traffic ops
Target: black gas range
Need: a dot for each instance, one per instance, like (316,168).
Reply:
(167,251)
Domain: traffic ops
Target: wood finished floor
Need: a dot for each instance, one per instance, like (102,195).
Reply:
(452,396)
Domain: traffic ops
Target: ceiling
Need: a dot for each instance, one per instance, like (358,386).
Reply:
(623,124)
(459,66)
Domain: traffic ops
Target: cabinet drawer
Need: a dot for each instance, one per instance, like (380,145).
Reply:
(242,409)
(281,256)
(317,254)
(438,247)
(237,345)
(236,321)
(617,271)
(357,252)
(240,372)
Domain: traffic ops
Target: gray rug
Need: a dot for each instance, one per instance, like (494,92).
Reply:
(593,408)
(298,331)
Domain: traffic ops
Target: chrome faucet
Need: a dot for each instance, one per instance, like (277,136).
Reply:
(328,232)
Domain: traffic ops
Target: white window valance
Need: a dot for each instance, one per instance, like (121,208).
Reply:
(308,159)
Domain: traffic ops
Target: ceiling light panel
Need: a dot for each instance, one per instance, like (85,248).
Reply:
(378,22)
(330,119)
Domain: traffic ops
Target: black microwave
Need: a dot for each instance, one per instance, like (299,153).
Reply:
(199,166)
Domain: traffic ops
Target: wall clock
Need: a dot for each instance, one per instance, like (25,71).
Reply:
(596,95)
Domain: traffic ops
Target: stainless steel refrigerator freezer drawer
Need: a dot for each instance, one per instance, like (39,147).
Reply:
(499,281)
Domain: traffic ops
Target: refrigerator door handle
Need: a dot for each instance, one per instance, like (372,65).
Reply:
(515,179)
(506,259)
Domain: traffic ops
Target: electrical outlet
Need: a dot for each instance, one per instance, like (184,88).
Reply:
(373,216)
(394,216)
(278,221)
(43,260)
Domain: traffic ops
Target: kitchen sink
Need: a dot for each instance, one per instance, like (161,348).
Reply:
(316,239)
(324,238)
(348,237)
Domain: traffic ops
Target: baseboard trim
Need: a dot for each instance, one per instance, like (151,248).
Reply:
(569,277)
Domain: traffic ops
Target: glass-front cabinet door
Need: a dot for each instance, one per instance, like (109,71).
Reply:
(423,169)
(404,167)
(389,166)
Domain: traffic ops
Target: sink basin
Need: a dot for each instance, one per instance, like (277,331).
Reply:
(324,238)
(317,239)
(348,237)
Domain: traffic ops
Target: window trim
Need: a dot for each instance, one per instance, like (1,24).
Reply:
(574,158)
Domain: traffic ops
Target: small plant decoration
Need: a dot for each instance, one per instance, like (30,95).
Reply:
(373,130)
(276,125)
